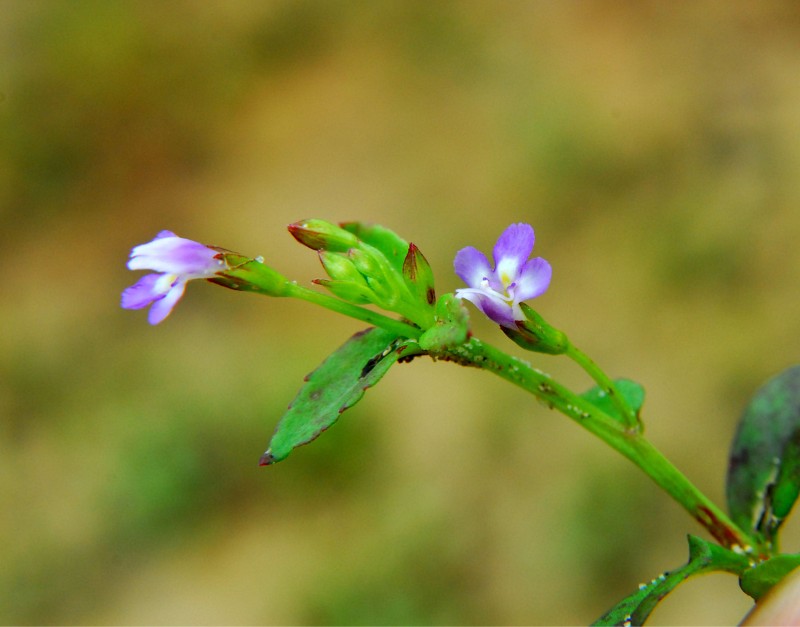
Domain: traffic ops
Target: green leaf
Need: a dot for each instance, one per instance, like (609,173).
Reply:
(764,468)
(704,557)
(760,579)
(336,385)
(631,392)
(385,240)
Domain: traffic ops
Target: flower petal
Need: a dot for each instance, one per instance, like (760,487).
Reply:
(141,293)
(534,279)
(472,266)
(175,255)
(513,247)
(490,303)
(163,307)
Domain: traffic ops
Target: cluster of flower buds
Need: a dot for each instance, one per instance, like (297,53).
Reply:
(369,264)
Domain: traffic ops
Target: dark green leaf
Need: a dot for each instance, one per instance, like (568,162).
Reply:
(764,469)
(704,557)
(760,579)
(338,384)
(631,392)
(385,240)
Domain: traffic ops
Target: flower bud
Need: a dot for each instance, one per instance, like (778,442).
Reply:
(348,290)
(368,264)
(340,267)
(419,276)
(322,235)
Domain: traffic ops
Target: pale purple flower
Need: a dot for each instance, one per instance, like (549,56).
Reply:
(177,260)
(498,291)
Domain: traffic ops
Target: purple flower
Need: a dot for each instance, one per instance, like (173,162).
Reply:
(178,260)
(498,291)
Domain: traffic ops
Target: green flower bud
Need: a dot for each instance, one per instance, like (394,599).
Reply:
(367,263)
(322,235)
(419,276)
(348,290)
(340,267)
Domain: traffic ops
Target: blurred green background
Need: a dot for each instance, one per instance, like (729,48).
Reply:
(655,148)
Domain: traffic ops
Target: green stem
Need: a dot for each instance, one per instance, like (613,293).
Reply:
(632,444)
(402,329)
(584,361)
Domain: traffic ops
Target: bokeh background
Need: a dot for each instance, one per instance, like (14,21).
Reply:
(655,148)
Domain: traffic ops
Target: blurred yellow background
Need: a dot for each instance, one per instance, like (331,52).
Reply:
(653,146)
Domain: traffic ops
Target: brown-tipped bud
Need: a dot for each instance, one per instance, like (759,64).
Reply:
(322,235)
(419,276)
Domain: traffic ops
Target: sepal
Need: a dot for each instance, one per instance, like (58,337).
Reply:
(536,334)
(246,274)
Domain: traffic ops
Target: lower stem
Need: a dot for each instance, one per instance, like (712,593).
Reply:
(632,444)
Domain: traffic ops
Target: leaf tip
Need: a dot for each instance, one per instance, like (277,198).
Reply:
(267,459)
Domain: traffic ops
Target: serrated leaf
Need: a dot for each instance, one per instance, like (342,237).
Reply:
(336,385)
(760,579)
(704,557)
(631,392)
(385,240)
(763,479)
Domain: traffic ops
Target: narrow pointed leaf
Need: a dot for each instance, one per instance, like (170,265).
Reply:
(631,392)
(336,385)
(704,557)
(760,579)
(764,468)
